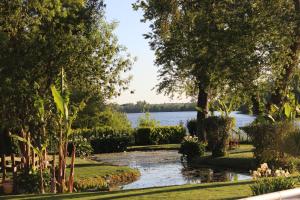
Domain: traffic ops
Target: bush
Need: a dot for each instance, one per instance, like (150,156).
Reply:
(30,182)
(192,126)
(83,147)
(146,121)
(191,147)
(264,185)
(91,184)
(269,142)
(160,135)
(268,185)
(106,139)
(142,136)
(218,131)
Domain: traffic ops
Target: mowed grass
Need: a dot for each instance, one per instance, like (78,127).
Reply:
(209,191)
(86,168)
(154,147)
(240,159)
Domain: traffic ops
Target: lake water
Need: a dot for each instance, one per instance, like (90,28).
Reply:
(175,118)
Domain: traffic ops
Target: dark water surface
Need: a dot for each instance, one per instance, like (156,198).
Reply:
(164,168)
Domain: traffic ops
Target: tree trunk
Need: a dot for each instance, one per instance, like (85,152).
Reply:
(71,177)
(64,164)
(42,188)
(202,111)
(60,162)
(53,180)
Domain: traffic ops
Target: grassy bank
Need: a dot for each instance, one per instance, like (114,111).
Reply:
(154,147)
(90,170)
(210,191)
(240,159)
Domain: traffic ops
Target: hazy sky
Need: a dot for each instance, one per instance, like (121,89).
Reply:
(129,33)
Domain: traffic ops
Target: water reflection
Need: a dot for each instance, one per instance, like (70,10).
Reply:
(164,168)
(207,175)
(166,174)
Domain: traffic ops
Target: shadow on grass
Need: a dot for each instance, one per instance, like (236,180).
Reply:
(239,152)
(127,193)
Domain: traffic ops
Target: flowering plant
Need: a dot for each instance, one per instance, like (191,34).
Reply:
(264,171)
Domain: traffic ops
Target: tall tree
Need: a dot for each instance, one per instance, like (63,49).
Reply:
(38,39)
(198,46)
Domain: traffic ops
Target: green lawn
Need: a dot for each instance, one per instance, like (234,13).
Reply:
(208,191)
(241,159)
(85,168)
(154,147)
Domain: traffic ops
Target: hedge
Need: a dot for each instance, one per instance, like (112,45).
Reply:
(106,139)
(159,135)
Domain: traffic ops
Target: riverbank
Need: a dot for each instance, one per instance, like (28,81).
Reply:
(209,191)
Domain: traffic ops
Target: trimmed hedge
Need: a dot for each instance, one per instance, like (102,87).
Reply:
(217,129)
(106,139)
(159,135)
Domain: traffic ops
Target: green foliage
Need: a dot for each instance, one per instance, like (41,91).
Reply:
(191,147)
(192,126)
(291,144)
(69,34)
(147,121)
(287,111)
(82,145)
(91,184)
(8,145)
(115,119)
(107,139)
(269,140)
(268,185)
(142,136)
(159,135)
(218,133)
(29,182)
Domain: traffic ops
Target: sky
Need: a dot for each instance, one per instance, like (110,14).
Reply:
(130,34)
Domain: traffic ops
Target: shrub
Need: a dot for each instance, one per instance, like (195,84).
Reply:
(147,121)
(106,139)
(91,184)
(268,140)
(268,185)
(192,126)
(218,131)
(83,147)
(142,136)
(159,135)
(30,182)
(191,147)
(264,184)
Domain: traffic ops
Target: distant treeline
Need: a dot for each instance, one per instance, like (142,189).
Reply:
(142,106)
